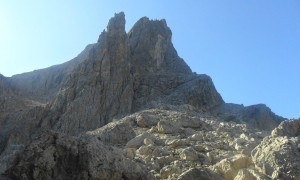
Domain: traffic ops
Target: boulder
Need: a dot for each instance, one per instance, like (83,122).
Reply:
(138,141)
(199,173)
(168,171)
(289,128)
(146,120)
(189,154)
(230,167)
(110,133)
(167,127)
(244,174)
(145,150)
(174,143)
(278,157)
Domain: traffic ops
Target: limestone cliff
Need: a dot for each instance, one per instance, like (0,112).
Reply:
(130,104)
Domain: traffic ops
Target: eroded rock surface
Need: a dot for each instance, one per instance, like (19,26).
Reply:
(59,156)
(279,155)
(128,107)
(258,116)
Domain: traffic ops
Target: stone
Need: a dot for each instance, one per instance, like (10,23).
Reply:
(145,150)
(230,167)
(197,137)
(160,151)
(289,128)
(244,174)
(189,154)
(167,171)
(174,143)
(210,156)
(167,127)
(146,120)
(190,122)
(110,133)
(200,148)
(129,153)
(278,157)
(164,160)
(148,141)
(199,173)
(139,140)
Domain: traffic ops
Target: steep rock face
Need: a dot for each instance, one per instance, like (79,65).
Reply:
(152,49)
(107,80)
(124,73)
(179,125)
(100,87)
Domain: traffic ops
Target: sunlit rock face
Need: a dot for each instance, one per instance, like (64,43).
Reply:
(128,107)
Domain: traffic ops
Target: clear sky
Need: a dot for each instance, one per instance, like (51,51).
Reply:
(250,48)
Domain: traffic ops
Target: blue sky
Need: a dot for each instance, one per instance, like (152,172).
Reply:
(250,48)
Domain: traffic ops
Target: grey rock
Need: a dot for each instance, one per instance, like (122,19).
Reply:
(257,116)
(87,101)
(278,157)
(199,173)
(152,49)
(59,156)
(98,89)
(189,154)
(111,132)
(146,120)
(138,141)
(289,128)
(91,90)
(98,80)
(168,127)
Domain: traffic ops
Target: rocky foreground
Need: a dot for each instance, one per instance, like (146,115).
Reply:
(128,107)
(165,144)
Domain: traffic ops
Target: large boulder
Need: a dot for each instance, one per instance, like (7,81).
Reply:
(230,167)
(114,133)
(290,128)
(278,155)
(199,173)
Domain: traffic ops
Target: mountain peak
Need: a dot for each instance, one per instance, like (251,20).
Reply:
(117,23)
(155,26)
(151,43)
(98,104)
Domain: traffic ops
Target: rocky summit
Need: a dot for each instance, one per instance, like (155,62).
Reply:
(128,107)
